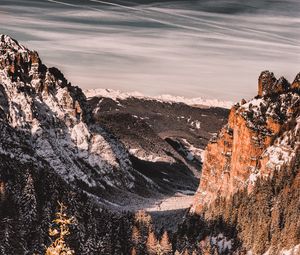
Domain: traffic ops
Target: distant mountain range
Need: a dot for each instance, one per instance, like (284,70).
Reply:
(118,95)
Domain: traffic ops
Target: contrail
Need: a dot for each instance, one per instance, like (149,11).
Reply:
(141,17)
(121,6)
(74,5)
(167,23)
(194,19)
(117,5)
(216,25)
(148,18)
(203,21)
(63,3)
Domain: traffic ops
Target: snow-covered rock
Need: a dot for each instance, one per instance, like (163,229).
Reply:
(40,102)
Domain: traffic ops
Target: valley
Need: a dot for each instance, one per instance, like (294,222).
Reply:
(126,168)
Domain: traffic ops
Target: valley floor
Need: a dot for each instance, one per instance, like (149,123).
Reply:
(180,200)
(166,211)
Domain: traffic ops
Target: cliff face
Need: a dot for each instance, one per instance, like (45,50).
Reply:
(250,178)
(261,136)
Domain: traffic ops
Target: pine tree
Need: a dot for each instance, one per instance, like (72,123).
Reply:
(28,200)
(59,246)
(142,217)
(207,249)
(133,251)
(186,252)
(135,236)
(194,252)
(165,244)
(215,251)
(152,243)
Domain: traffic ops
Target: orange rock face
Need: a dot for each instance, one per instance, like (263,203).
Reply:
(236,158)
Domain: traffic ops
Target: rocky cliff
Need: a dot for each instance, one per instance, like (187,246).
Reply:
(251,168)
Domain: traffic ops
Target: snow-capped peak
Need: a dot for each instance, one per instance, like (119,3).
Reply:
(6,42)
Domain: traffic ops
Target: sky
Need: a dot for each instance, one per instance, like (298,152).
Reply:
(206,48)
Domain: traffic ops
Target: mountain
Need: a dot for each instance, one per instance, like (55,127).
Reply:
(99,156)
(250,177)
(55,118)
(108,155)
(51,151)
(62,128)
(261,137)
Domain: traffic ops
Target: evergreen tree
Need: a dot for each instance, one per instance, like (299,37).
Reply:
(152,243)
(28,200)
(133,251)
(135,236)
(142,217)
(2,190)
(186,252)
(165,244)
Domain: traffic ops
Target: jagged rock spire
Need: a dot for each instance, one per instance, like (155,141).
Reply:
(269,85)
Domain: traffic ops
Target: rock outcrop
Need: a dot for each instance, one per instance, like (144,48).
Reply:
(268,85)
(261,136)
(251,170)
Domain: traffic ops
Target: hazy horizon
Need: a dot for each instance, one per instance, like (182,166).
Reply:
(213,49)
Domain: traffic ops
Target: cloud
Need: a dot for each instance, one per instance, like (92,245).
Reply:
(156,49)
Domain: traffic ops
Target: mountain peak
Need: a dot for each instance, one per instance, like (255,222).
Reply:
(7,42)
(19,63)
(268,84)
(24,75)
